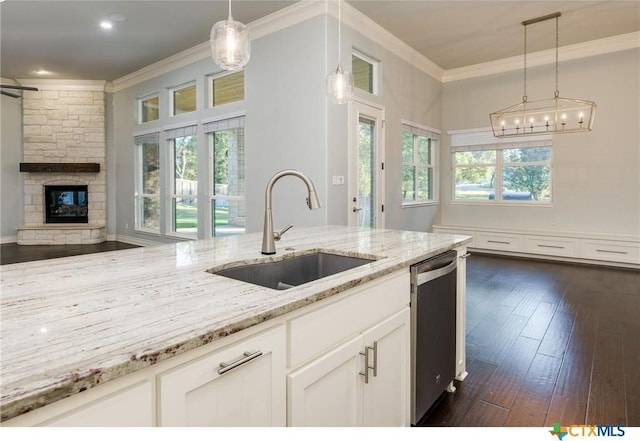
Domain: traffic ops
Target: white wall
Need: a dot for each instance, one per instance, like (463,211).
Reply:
(596,175)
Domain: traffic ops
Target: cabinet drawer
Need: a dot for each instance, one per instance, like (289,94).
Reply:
(321,329)
(552,246)
(498,241)
(627,252)
(240,385)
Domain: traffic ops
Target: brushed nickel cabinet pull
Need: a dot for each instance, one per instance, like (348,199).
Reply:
(551,246)
(612,251)
(499,241)
(247,356)
(365,374)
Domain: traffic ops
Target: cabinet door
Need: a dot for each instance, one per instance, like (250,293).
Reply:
(328,391)
(387,394)
(251,394)
(129,408)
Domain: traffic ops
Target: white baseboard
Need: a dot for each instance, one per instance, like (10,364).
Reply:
(8,239)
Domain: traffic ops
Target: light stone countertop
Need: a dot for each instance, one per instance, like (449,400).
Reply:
(71,323)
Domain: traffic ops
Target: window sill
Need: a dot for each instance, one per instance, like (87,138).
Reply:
(174,235)
(147,232)
(419,204)
(503,203)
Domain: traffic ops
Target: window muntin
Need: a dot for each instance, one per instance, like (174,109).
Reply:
(227,88)
(147,195)
(228,208)
(418,166)
(510,174)
(183,99)
(148,109)
(184,184)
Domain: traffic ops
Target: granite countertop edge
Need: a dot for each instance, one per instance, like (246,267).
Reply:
(22,400)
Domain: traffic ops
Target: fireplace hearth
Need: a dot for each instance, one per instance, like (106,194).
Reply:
(66,204)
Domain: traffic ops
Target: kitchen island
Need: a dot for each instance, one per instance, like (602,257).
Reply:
(73,325)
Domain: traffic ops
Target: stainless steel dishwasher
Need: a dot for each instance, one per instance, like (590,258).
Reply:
(433,331)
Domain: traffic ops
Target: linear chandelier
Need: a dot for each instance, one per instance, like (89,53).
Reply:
(554,115)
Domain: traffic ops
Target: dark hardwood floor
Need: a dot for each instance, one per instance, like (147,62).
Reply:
(547,342)
(14,253)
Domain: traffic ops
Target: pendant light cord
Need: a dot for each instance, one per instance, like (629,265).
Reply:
(557,93)
(339,33)
(524,96)
(230,17)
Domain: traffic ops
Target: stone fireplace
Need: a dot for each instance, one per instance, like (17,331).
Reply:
(64,153)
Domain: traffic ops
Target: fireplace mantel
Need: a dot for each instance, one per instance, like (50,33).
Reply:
(60,167)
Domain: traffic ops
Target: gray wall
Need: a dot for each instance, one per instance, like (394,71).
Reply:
(405,93)
(11,191)
(596,175)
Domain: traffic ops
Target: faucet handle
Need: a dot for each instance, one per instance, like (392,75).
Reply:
(278,235)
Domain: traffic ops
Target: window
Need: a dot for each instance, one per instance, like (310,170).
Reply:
(364,72)
(226,88)
(501,169)
(147,194)
(184,180)
(419,156)
(148,109)
(226,139)
(183,99)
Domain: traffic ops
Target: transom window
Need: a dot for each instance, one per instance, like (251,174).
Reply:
(226,88)
(364,70)
(490,169)
(148,108)
(419,159)
(183,98)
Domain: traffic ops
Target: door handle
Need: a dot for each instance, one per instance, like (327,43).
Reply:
(355,210)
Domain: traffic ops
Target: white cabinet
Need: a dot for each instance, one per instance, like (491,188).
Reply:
(129,408)
(461,314)
(125,402)
(239,385)
(362,382)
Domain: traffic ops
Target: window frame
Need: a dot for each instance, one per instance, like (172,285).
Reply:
(173,196)
(420,131)
(210,134)
(375,72)
(139,195)
(141,102)
(210,88)
(482,140)
(172,92)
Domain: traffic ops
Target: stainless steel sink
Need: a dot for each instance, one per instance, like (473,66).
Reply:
(292,271)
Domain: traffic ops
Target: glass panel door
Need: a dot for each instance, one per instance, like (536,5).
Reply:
(366,178)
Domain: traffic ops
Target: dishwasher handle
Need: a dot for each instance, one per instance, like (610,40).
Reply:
(434,268)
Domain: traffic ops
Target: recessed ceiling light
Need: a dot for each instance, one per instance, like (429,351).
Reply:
(42,72)
(106,24)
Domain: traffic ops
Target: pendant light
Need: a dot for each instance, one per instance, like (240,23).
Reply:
(555,115)
(339,81)
(230,47)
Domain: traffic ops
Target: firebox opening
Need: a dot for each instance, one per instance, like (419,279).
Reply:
(66,204)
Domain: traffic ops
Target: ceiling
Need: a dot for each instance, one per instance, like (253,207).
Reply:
(64,37)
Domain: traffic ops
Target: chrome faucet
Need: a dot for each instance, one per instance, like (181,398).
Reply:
(268,235)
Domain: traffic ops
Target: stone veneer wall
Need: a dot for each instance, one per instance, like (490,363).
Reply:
(64,126)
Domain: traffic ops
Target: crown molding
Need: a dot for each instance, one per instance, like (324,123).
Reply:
(565,53)
(289,16)
(91,85)
(372,30)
